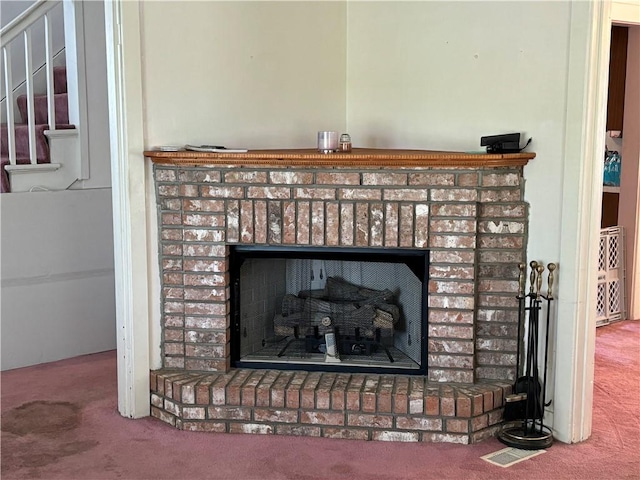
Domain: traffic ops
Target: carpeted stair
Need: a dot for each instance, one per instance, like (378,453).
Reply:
(41,120)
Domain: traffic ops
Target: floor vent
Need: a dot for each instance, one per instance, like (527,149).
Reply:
(510,456)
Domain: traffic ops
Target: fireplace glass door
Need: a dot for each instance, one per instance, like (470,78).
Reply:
(329,309)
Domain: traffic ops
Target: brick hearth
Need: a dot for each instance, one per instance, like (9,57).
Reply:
(365,407)
(470,216)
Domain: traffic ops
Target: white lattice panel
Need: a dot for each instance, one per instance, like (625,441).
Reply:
(602,255)
(601,305)
(614,250)
(610,297)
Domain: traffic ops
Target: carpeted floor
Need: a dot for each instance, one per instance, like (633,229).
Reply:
(59,421)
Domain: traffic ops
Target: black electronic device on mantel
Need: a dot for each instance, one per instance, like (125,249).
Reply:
(506,143)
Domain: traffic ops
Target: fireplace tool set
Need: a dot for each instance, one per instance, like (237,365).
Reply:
(524,408)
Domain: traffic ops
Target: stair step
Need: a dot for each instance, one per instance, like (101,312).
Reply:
(59,80)
(22,142)
(22,149)
(40,108)
(5,184)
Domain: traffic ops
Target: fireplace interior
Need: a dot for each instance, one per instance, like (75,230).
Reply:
(329,309)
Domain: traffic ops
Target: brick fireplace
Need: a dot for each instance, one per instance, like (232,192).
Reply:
(466,210)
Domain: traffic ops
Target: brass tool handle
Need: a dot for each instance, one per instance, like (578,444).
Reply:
(551,267)
(521,279)
(532,276)
(540,269)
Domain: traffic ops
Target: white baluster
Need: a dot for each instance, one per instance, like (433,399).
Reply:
(28,62)
(51,106)
(11,128)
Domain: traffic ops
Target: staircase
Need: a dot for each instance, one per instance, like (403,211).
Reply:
(43,151)
(39,148)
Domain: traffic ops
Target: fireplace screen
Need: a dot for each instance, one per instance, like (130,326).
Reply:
(329,309)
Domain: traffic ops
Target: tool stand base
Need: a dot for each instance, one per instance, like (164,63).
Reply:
(526,438)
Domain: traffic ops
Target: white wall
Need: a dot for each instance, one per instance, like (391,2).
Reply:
(12,8)
(249,74)
(57,276)
(439,75)
(97,128)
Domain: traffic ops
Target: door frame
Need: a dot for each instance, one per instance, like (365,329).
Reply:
(130,209)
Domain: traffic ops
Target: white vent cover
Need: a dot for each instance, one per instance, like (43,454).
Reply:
(510,456)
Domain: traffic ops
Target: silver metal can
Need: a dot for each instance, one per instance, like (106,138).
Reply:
(328,142)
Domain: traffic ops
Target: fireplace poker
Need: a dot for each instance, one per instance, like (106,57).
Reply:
(516,401)
(537,415)
(531,349)
(521,298)
(529,361)
(551,267)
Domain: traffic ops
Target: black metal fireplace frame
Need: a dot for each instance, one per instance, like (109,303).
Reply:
(417,260)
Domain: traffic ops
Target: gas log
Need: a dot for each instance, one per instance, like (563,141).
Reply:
(354,310)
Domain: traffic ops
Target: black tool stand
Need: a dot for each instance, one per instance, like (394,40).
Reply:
(529,432)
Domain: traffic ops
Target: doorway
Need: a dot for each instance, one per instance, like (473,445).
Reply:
(620,203)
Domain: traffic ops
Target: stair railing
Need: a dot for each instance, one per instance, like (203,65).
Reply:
(21,26)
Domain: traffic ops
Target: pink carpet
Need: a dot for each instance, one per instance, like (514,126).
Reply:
(59,421)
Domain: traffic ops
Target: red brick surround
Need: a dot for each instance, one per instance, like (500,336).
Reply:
(472,220)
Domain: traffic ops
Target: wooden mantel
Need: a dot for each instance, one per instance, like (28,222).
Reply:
(358,157)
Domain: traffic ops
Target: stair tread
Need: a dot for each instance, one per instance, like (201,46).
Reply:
(4,159)
(25,126)
(5,184)
(22,141)
(40,107)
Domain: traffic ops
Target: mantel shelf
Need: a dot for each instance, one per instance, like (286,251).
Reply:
(358,157)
